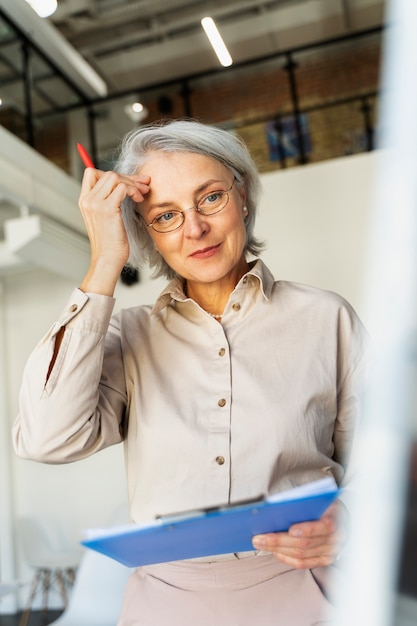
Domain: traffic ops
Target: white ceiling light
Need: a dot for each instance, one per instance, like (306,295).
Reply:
(136,111)
(44,8)
(216,41)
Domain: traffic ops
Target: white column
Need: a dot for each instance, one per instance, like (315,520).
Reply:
(7,561)
(388,429)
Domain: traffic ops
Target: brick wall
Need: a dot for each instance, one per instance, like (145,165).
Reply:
(247,99)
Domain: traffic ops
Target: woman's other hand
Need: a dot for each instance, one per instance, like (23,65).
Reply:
(309,544)
(100,202)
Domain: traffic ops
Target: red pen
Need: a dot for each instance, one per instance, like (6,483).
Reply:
(84,156)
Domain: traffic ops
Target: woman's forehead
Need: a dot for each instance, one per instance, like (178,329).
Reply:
(189,163)
(177,177)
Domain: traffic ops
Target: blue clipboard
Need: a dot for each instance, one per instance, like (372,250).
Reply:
(210,532)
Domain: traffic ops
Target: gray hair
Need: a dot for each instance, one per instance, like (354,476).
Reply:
(184,136)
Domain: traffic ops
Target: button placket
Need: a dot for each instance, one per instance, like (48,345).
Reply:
(220,460)
(218,452)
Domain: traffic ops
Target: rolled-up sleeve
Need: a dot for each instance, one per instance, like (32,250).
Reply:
(79,409)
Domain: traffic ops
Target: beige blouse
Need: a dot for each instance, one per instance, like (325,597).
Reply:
(209,413)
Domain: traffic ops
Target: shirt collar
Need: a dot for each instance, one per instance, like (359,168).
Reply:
(175,288)
(173,291)
(266,279)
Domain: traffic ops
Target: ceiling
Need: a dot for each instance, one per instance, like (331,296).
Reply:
(133,44)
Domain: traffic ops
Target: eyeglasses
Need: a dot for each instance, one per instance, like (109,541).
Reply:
(210,204)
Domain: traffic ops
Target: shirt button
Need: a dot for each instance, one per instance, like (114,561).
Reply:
(73,308)
(222,351)
(220,460)
(236,306)
(222,402)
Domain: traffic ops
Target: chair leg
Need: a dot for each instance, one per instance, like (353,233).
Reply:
(28,607)
(46,584)
(61,584)
(43,581)
(70,573)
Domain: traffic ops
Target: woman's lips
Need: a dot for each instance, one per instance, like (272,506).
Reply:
(205,253)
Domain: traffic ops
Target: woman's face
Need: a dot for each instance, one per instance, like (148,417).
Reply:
(205,249)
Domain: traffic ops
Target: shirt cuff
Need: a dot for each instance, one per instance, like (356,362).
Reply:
(87,311)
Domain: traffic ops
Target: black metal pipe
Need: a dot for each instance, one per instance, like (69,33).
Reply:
(186,96)
(281,151)
(369,130)
(290,68)
(27,90)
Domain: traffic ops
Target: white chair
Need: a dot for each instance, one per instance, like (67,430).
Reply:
(52,566)
(97,596)
(8,587)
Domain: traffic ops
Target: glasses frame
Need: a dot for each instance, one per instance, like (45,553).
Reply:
(193,208)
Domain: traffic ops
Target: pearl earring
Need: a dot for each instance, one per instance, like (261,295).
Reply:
(245,209)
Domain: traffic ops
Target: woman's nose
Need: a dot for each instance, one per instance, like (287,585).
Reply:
(195,224)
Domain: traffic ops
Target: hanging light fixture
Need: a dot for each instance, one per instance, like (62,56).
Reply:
(216,41)
(136,111)
(44,8)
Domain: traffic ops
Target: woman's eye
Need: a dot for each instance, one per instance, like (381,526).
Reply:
(212,198)
(165,217)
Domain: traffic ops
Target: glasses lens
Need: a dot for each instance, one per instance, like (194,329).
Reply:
(213,202)
(209,204)
(168,221)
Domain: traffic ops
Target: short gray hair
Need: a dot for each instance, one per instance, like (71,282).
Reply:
(184,136)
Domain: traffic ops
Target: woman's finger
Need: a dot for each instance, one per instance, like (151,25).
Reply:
(102,184)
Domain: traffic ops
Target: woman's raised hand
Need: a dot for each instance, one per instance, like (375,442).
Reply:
(100,202)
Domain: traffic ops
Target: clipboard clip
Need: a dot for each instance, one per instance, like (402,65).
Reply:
(193,513)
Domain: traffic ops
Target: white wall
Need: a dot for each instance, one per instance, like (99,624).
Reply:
(315,220)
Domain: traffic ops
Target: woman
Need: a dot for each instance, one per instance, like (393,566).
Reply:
(230,386)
